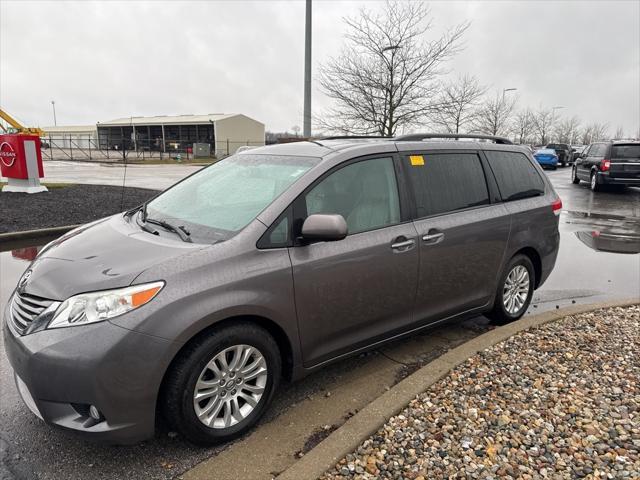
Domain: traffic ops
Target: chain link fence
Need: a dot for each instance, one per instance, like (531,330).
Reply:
(81,147)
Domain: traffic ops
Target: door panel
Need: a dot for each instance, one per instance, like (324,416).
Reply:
(459,269)
(354,291)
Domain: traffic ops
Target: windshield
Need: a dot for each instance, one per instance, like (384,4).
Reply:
(220,200)
(558,146)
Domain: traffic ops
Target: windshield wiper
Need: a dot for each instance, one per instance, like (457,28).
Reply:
(139,208)
(182,232)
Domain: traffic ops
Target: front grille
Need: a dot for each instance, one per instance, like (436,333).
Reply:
(25,309)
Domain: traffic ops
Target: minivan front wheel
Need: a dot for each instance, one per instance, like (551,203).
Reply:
(515,290)
(222,384)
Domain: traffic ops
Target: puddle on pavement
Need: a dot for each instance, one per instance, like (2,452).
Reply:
(606,233)
(598,259)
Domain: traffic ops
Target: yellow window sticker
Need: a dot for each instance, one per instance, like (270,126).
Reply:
(416,160)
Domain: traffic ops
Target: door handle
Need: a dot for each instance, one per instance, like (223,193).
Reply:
(433,237)
(405,244)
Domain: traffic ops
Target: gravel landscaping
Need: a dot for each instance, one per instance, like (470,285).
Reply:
(62,206)
(559,401)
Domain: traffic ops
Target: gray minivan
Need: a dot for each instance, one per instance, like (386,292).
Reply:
(269,264)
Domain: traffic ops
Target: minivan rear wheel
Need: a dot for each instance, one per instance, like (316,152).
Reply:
(515,290)
(222,383)
(595,187)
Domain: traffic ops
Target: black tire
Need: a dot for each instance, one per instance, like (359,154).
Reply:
(178,388)
(593,184)
(574,175)
(499,315)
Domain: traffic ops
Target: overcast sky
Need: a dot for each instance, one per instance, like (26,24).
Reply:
(109,59)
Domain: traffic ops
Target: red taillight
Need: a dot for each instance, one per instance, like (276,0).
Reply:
(556,206)
(605,165)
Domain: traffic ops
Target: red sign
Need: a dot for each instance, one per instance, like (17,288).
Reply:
(20,156)
(7,154)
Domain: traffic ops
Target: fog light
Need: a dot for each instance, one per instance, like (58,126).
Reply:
(95,413)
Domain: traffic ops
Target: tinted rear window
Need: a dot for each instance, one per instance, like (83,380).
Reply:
(447,182)
(626,151)
(516,176)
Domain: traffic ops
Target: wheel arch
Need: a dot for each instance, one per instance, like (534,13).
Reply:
(275,330)
(536,260)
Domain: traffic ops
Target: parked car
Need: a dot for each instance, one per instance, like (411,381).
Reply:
(546,157)
(576,150)
(271,264)
(608,163)
(565,156)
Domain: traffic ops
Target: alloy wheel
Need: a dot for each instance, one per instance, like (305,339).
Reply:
(516,289)
(230,386)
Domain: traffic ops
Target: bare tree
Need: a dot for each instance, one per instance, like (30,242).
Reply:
(595,132)
(296,130)
(523,126)
(542,124)
(619,132)
(494,115)
(567,130)
(459,102)
(386,77)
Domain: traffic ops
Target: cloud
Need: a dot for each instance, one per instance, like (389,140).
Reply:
(103,60)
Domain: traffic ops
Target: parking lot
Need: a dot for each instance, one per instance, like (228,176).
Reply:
(598,260)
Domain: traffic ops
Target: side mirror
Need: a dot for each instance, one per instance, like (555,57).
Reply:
(327,227)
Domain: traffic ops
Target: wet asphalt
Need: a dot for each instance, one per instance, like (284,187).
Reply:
(598,260)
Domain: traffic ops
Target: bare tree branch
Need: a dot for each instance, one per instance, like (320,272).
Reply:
(386,77)
(494,115)
(459,102)
(523,126)
(542,123)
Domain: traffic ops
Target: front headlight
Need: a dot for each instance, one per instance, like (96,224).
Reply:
(98,306)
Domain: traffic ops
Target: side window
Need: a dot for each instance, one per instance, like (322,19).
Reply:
(278,234)
(364,193)
(447,182)
(598,150)
(516,176)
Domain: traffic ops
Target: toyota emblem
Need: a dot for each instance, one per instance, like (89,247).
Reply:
(23,281)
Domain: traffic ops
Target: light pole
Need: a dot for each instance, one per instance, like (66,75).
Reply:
(306,126)
(53,105)
(390,48)
(505,90)
(553,114)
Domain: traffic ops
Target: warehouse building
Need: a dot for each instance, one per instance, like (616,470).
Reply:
(75,136)
(222,133)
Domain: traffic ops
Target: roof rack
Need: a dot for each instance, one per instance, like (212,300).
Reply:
(418,137)
(351,137)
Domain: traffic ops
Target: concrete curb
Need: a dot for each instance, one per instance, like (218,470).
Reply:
(34,234)
(366,422)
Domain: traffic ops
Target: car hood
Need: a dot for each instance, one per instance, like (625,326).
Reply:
(109,253)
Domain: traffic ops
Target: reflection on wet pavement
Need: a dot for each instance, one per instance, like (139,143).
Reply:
(606,232)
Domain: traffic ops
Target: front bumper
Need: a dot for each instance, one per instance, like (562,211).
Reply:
(61,372)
